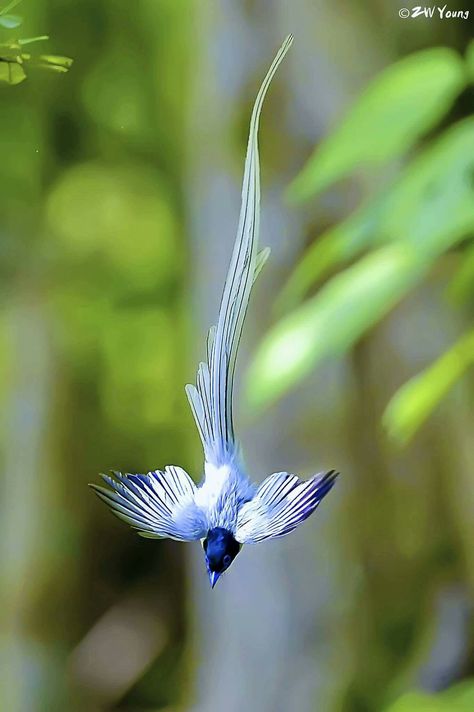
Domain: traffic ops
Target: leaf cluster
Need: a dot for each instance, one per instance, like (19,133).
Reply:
(363,266)
(15,63)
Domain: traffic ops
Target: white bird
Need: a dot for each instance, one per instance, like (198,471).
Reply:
(226,510)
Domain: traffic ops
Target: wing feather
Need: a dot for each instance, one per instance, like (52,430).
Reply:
(159,504)
(281,503)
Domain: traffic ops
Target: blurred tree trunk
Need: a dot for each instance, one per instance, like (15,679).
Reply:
(26,494)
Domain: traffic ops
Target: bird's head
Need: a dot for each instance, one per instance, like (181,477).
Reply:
(220,549)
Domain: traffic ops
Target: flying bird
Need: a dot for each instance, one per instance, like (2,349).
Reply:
(226,510)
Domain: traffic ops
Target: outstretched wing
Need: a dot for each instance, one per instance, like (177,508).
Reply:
(211,398)
(159,504)
(281,503)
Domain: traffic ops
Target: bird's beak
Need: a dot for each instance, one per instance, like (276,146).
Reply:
(213,577)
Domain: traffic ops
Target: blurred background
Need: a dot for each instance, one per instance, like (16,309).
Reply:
(119,198)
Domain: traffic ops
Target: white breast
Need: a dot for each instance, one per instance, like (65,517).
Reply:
(216,482)
(224,490)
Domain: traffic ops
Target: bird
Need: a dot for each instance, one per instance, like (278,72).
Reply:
(226,510)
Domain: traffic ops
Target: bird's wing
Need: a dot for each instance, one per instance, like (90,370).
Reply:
(159,504)
(211,397)
(281,503)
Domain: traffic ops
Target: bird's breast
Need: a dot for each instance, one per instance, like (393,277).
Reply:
(221,494)
(214,486)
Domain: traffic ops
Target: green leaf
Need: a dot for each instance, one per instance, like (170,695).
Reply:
(55,62)
(29,40)
(13,61)
(402,104)
(10,51)
(458,698)
(334,247)
(422,702)
(461,693)
(333,320)
(10,21)
(432,205)
(9,7)
(429,210)
(414,402)
(11,72)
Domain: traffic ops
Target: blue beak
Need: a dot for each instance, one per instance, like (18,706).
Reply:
(213,577)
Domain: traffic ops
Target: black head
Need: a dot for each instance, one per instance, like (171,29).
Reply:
(221,549)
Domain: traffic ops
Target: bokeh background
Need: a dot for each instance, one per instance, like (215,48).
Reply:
(119,198)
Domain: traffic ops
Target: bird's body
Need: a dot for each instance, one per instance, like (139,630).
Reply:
(223,492)
(226,510)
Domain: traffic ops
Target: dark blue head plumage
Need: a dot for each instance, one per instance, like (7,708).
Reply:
(220,548)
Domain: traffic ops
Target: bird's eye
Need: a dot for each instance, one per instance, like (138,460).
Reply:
(227,559)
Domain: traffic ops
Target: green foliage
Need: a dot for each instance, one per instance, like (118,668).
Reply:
(14,62)
(7,20)
(11,67)
(92,276)
(415,400)
(400,106)
(334,247)
(94,209)
(329,323)
(459,698)
(135,336)
(396,236)
(105,99)
(431,204)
